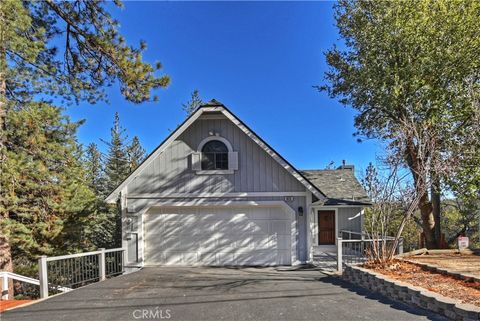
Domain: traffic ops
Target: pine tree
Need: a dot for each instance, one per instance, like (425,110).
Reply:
(192,105)
(117,165)
(102,232)
(94,169)
(69,50)
(117,168)
(136,154)
(44,185)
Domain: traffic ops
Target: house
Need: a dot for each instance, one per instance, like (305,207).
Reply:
(215,193)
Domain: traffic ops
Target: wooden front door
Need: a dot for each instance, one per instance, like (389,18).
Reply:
(326,227)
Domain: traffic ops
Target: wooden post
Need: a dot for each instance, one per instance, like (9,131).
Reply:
(339,255)
(43,276)
(101,265)
(400,246)
(5,286)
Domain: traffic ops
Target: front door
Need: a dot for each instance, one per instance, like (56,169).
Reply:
(326,227)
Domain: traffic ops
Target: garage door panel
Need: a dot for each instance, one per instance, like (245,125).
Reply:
(263,257)
(190,258)
(232,228)
(155,256)
(282,242)
(278,214)
(279,227)
(225,244)
(218,236)
(247,242)
(208,258)
(173,258)
(225,258)
(259,226)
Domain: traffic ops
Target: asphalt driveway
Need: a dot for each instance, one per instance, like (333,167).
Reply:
(219,294)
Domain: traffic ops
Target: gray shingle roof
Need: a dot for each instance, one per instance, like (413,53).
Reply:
(339,185)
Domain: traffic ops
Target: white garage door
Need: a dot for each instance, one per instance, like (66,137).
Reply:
(218,236)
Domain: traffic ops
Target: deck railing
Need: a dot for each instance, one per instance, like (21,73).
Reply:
(76,270)
(356,251)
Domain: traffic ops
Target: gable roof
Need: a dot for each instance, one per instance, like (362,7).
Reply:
(214,106)
(339,185)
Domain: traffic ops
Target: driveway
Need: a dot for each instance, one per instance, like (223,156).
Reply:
(160,293)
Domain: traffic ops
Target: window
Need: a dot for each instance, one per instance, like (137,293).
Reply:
(214,156)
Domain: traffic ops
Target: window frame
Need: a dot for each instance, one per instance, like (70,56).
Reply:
(215,171)
(212,160)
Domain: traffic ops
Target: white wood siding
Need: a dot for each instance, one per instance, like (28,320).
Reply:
(349,219)
(171,171)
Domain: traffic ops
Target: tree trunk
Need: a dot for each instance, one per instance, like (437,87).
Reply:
(428,222)
(436,209)
(5,249)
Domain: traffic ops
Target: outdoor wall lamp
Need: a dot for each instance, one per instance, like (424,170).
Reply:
(300,211)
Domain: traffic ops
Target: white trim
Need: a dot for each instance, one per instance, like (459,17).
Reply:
(282,204)
(308,222)
(216,195)
(362,218)
(320,206)
(214,137)
(325,208)
(215,172)
(112,196)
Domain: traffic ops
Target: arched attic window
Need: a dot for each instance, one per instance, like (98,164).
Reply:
(214,156)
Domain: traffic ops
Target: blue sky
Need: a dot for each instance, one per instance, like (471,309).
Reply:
(261,59)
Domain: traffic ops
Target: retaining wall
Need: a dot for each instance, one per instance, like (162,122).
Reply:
(411,294)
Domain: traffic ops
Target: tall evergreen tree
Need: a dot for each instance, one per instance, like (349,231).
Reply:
(65,49)
(195,101)
(117,162)
(102,233)
(44,184)
(94,169)
(136,154)
(117,168)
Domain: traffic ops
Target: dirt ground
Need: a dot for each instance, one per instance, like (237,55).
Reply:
(461,263)
(465,291)
(8,304)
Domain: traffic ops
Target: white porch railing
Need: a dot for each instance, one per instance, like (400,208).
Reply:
(5,276)
(355,251)
(76,270)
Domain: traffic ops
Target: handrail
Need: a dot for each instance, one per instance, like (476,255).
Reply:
(22,278)
(366,234)
(364,240)
(115,250)
(19,277)
(71,256)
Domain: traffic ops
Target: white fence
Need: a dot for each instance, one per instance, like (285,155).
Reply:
(58,273)
(6,276)
(355,249)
